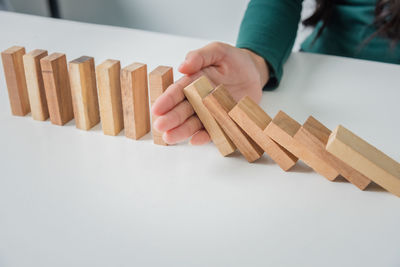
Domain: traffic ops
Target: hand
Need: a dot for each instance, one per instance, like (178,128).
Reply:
(240,70)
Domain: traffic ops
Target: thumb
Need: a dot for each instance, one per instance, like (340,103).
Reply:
(208,55)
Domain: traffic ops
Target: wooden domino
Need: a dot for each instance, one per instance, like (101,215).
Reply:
(57,87)
(35,85)
(314,135)
(15,78)
(159,80)
(84,92)
(219,102)
(135,100)
(282,130)
(110,102)
(365,158)
(194,94)
(253,120)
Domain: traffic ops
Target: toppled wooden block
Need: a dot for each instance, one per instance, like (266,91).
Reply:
(15,78)
(84,92)
(159,80)
(282,130)
(314,135)
(57,87)
(108,76)
(195,93)
(35,85)
(135,100)
(219,102)
(253,120)
(365,158)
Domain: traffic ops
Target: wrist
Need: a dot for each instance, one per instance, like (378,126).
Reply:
(261,65)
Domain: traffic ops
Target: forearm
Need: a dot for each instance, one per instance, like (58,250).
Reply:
(269,29)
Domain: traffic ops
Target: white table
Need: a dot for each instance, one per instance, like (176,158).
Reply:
(75,198)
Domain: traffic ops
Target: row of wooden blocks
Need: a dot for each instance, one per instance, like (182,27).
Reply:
(247,127)
(44,85)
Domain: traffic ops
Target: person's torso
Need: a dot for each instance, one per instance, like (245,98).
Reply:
(347,34)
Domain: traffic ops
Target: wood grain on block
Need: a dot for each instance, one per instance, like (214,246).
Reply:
(282,130)
(253,120)
(159,80)
(57,87)
(194,94)
(314,135)
(365,158)
(15,79)
(219,102)
(135,100)
(109,88)
(84,92)
(34,82)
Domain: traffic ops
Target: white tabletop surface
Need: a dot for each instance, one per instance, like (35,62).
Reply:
(75,198)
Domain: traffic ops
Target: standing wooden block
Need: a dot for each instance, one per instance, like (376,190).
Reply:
(34,82)
(194,94)
(135,100)
(109,87)
(282,130)
(57,87)
(365,158)
(253,120)
(314,135)
(84,92)
(15,79)
(219,102)
(159,80)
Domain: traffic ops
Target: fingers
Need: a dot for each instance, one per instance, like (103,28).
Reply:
(206,56)
(200,138)
(184,131)
(171,97)
(174,117)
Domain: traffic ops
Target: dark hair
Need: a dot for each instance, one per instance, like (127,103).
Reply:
(387,18)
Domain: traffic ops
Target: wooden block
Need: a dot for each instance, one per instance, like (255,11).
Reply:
(15,78)
(253,120)
(282,130)
(34,82)
(135,100)
(57,87)
(85,103)
(365,158)
(194,94)
(159,80)
(219,102)
(314,135)
(109,87)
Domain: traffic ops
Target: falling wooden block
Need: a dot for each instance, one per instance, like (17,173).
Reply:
(135,100)
(34,82)
(282,130)
(365,158)
(15,78)
(219,102)
(194,93)
(57,87)
(109,87)
(159,80)
(253,120)
(85,103)
(314,135)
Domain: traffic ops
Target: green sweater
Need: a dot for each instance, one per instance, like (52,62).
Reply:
(269,29)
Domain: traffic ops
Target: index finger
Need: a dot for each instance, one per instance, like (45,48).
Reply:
(173,95)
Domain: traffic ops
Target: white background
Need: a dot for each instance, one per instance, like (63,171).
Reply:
(209,19)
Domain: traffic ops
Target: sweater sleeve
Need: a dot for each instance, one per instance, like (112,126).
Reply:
(269,29)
